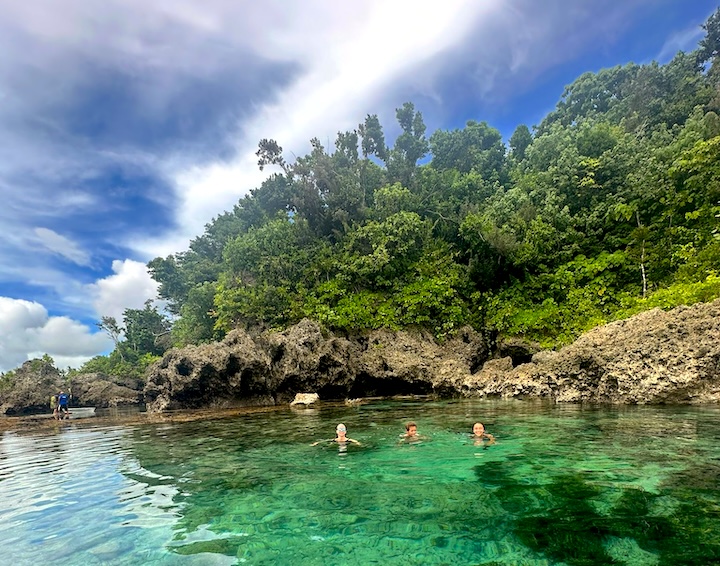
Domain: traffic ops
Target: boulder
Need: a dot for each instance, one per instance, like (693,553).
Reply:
(30,389)
(653,357)
(232,372)
(305,399)
(102,391)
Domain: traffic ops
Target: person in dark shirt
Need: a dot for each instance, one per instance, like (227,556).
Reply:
(63,405)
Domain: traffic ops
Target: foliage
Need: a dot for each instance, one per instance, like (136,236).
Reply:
(608,207)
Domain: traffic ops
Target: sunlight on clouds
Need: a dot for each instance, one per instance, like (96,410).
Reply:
(26,332)
(128,288)
(62,246)
(346,64)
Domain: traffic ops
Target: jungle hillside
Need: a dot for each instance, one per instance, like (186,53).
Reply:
(608,207)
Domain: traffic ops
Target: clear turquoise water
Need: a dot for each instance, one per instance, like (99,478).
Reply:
(564,485)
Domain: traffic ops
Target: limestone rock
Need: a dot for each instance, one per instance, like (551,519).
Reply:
(32,385)
(305,399)
(222,374)
(653,357)
(102,391)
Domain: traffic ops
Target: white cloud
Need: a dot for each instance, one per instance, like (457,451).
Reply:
(62,246)
(342,59)
(347,58)
(685,40)
(128,288)
(27,331)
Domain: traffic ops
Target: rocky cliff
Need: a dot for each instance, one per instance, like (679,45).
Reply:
(35,381)
(654,357)
(273,367)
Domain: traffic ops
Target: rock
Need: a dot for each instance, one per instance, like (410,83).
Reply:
(233,372)
(654,357)
(275,366)
(102,391)
(30,389)
(305,399)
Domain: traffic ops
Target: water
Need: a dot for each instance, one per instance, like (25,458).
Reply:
(563,485)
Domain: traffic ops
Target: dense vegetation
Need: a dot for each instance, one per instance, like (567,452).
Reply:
(608,207)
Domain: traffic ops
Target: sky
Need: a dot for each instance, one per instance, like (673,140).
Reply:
(127,125)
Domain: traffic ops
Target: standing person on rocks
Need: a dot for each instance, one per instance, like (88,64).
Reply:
(63,399)
(54,406)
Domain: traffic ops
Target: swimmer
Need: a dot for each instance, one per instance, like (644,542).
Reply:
(479,434)
(340,438)
(411,433)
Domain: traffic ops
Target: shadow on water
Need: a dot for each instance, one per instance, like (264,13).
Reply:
(562,521)
(563,486)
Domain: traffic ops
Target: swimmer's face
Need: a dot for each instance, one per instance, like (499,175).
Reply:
(478,429)
(412,430)
(340,433)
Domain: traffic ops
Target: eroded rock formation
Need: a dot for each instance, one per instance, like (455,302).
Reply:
(654,357)
(275,366)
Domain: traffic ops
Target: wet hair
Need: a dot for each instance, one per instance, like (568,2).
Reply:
(409,424)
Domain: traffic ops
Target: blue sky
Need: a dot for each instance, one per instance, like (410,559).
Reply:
(127,125)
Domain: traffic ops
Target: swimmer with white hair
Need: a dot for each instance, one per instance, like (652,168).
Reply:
(340,438)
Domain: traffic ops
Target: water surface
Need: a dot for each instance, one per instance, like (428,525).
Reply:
(563,485)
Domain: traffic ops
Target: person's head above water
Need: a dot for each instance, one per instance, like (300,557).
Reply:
(411,428)
(478,429)
(341,429)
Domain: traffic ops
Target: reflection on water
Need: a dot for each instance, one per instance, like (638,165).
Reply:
(567,485)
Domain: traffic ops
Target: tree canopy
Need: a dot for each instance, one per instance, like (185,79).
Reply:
(607,207)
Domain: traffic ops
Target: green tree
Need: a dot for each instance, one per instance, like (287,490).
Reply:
(519,142)
(476,147)
(410,146)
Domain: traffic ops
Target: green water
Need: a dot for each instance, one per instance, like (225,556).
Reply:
(563,485)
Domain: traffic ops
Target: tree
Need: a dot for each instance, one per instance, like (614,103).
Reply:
(519,142)
(144,331)
(373,138)
(110,325)
(410,146)
(709,47)
(477,147)
(270,153)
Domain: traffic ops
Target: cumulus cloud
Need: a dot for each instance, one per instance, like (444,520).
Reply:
(27,331)
(128,288)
